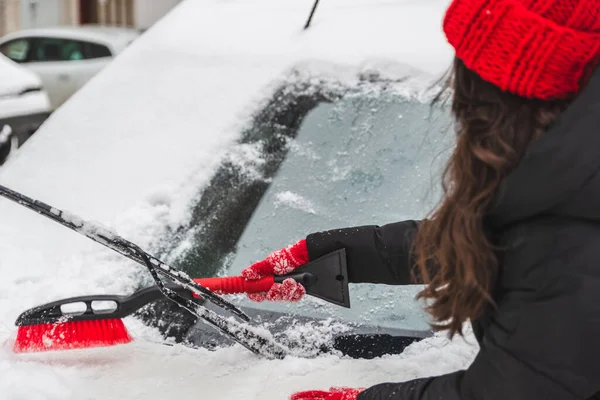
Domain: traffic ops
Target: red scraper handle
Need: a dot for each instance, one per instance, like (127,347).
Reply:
(238,284)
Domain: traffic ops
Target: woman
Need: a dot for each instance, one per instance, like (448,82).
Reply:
(514,246)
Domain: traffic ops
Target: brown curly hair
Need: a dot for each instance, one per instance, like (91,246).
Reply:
(454,254)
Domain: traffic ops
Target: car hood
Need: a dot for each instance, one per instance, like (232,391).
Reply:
(15,79)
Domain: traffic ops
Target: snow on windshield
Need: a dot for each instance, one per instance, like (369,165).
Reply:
(132,148)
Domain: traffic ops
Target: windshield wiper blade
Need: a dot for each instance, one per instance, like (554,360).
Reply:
(254,341)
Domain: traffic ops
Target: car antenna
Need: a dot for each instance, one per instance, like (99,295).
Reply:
(312,13)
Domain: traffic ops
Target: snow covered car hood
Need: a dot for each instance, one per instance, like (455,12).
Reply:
(15,79)
(133,147)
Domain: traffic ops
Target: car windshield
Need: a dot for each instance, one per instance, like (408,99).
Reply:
(316,162)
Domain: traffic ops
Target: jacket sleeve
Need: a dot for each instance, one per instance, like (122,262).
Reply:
(374,254)
(542,345)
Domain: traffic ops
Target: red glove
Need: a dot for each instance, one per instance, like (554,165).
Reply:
(333,394)
(280,262)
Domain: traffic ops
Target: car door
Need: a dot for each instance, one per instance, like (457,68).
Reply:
(56,61)
(96,57)
(66,65)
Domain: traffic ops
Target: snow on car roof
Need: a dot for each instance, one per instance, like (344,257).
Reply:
(133,146)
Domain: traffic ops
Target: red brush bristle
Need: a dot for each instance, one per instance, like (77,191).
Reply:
(71,335)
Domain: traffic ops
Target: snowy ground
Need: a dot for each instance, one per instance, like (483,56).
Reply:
(133,146)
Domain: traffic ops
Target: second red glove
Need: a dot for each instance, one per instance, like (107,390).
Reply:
(332,394)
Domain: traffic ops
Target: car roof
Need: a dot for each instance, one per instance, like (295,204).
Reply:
(115,37)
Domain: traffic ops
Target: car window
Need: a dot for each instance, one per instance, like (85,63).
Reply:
(51,49)
(359,159)
(94,50)
(17,50)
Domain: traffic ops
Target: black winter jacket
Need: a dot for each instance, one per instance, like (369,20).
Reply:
(543,340)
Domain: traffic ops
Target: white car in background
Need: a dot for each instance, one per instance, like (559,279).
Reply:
(24,106)
(66,58)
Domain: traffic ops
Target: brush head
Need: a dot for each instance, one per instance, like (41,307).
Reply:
(71,335)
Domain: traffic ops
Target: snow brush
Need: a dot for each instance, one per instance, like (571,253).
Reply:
(96,321)
(51,326)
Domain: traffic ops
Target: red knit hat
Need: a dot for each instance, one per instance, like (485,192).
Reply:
(543,49)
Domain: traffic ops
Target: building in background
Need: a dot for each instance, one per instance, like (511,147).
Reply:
(9,16)
(139,14)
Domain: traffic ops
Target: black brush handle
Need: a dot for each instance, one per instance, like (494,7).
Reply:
(51,313)
(304,278)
